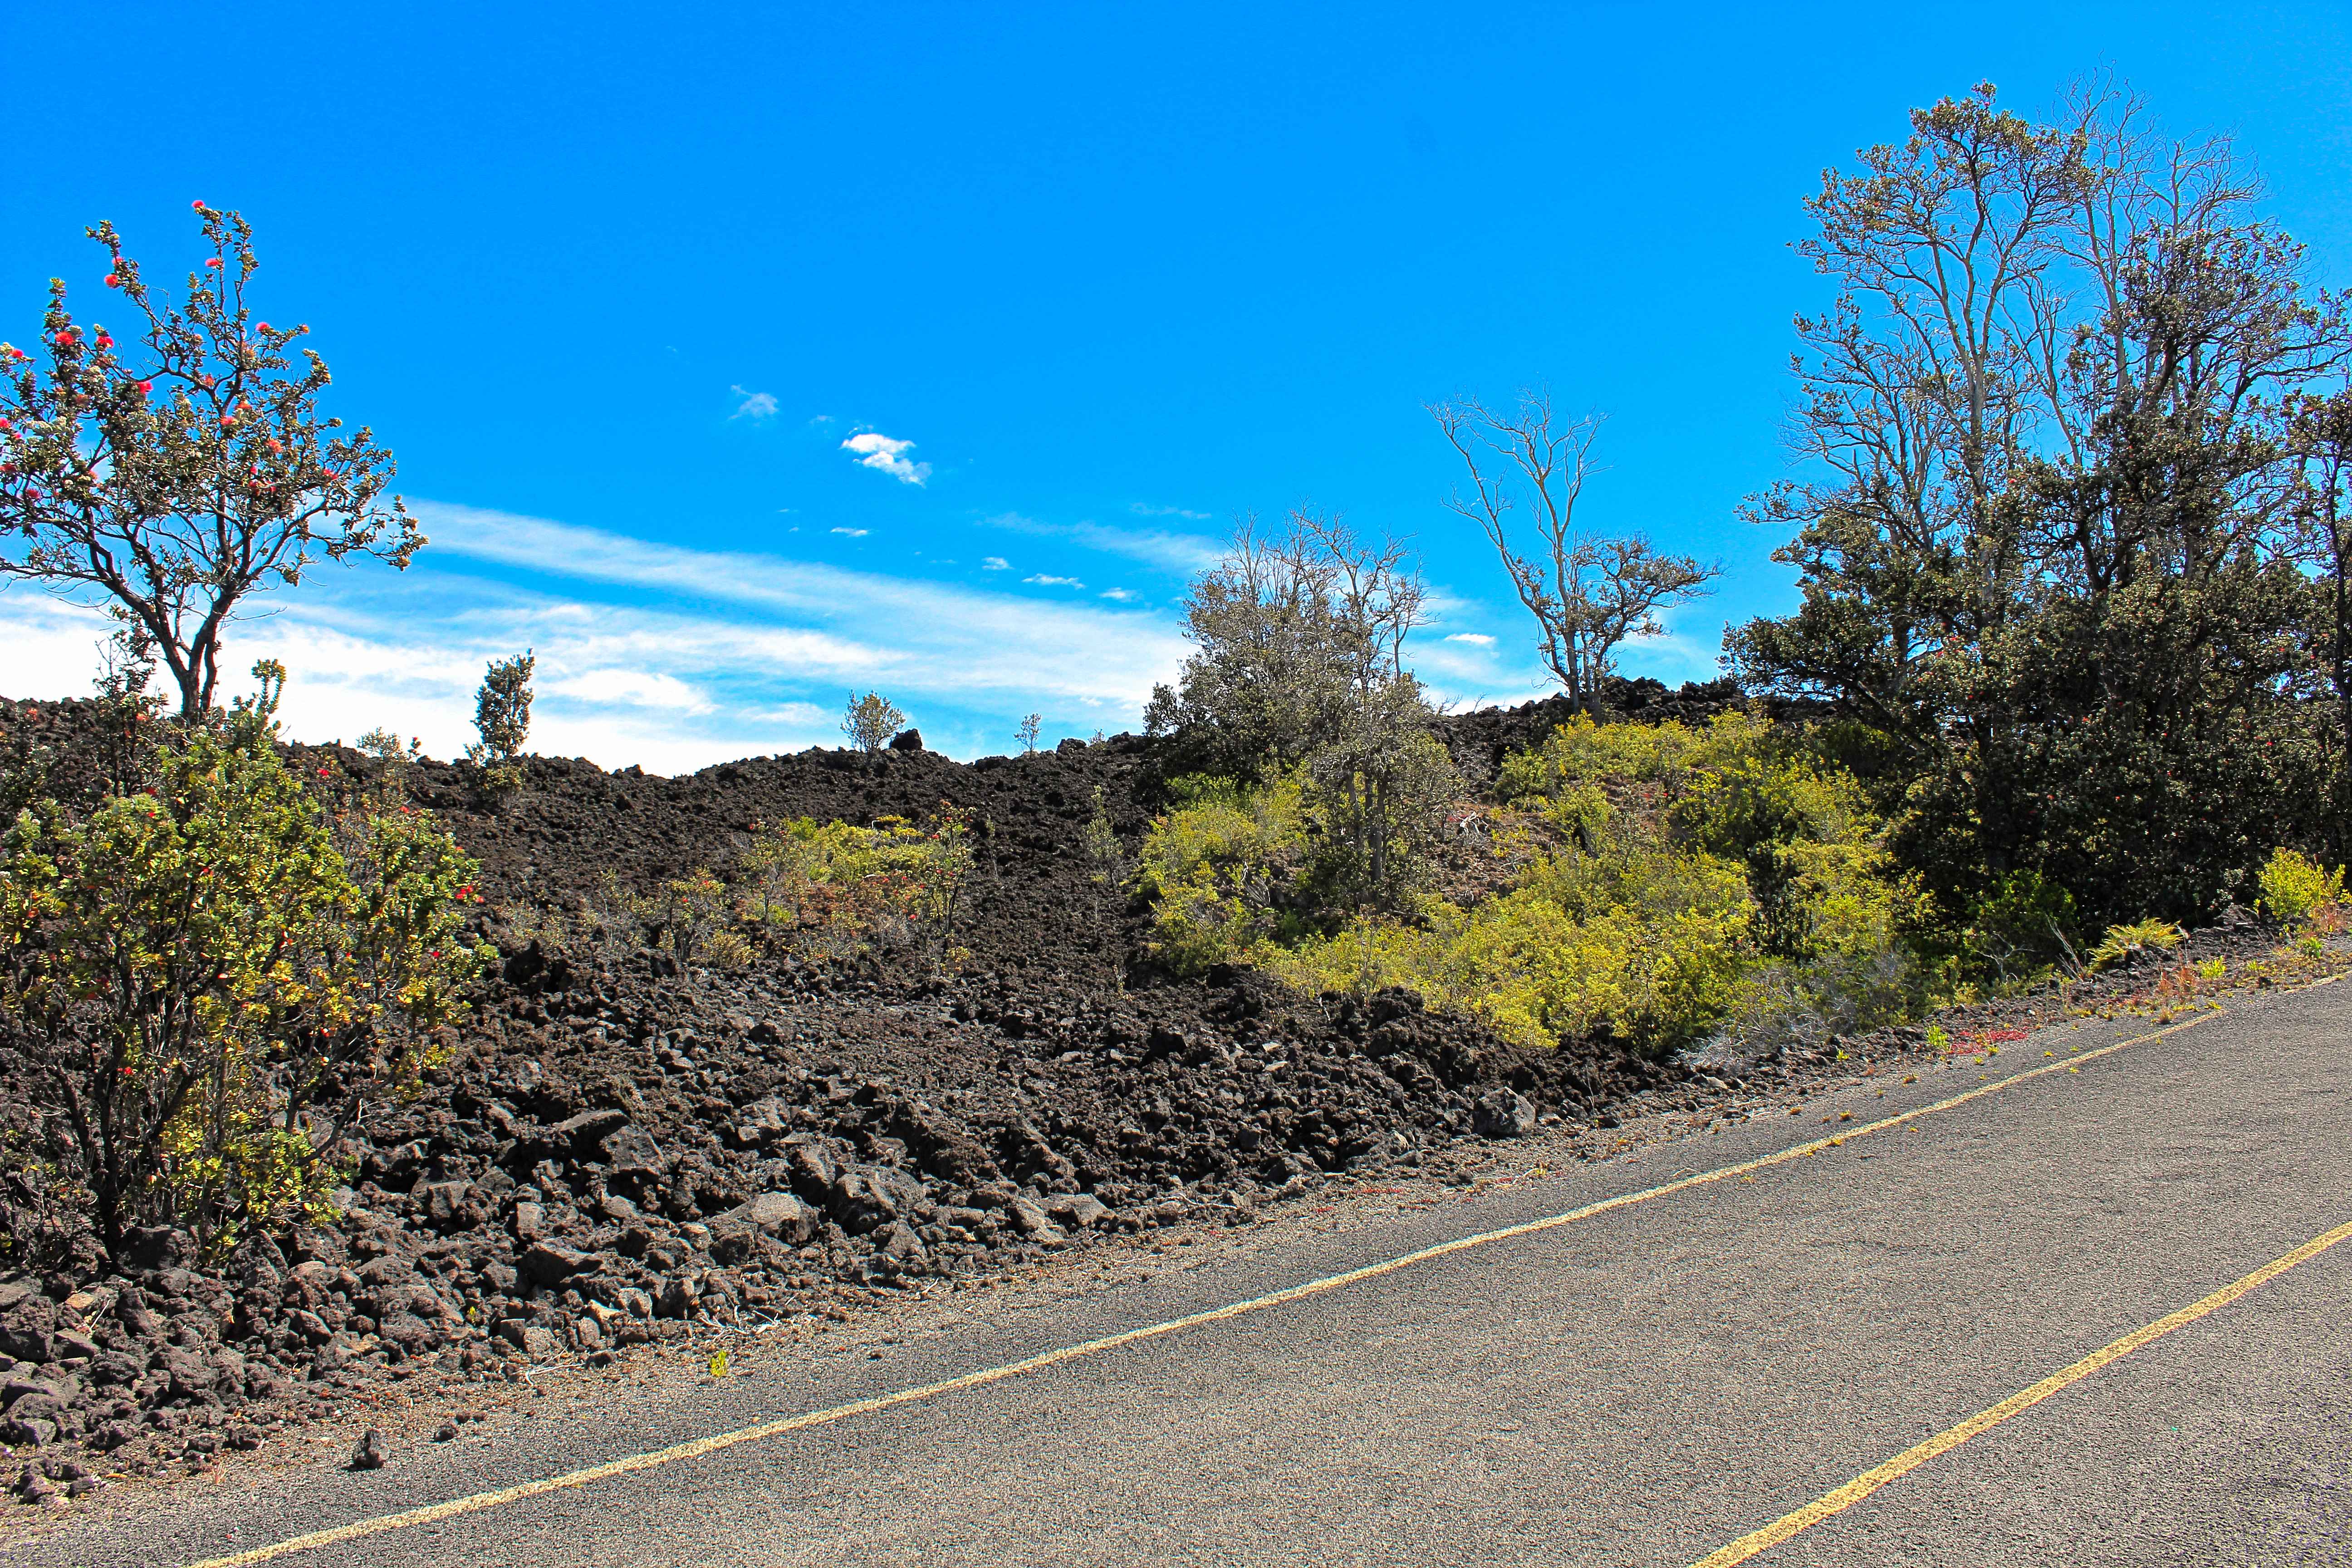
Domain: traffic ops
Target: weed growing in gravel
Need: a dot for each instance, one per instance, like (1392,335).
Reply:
(2138,936)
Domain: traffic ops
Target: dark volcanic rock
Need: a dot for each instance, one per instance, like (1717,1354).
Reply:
(1501,1113)
(624,1147)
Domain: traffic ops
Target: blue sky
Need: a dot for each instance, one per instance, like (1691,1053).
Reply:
(619,286)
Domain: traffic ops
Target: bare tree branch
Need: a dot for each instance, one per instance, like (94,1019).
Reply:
(1588,592)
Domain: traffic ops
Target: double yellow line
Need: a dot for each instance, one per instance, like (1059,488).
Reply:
(699,1446)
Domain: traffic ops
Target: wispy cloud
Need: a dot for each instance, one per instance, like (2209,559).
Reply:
(1043,581)
(888,454)
(852,532)
(1183,553)
(1479,638)
(755,404)
(994,564)
(1124,596)
(632,688)
(649,653)
(1140,509)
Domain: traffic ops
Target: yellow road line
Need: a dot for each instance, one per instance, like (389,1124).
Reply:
(1943,1442)
(701,1446)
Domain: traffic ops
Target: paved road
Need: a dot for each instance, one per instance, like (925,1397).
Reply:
(1639,1387)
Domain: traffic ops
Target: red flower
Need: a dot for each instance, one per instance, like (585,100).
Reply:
(213,261)
(261,326)
(146,386)
(198,204)
(112,281)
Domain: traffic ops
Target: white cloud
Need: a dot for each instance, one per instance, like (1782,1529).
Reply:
(1045,581)
(755,404)
(669,658)
(1140,509)
(1479,638)
(852,532)
(1183,553)
(994,564)
(634,688)
(1124,596)
(888,454)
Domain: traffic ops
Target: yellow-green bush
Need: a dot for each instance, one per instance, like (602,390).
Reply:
(2295,888)
(828,883)
(1222,868)
(1697,860)
(2138,936)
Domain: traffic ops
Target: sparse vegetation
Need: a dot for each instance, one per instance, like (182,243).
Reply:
(871,723)
(2132,938)
(502,721)
(826,887)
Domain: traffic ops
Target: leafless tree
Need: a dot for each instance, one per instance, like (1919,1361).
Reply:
(1587,591)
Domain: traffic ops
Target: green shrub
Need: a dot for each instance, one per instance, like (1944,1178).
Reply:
(2024,924)
(211,974)
(871,723)
(2295,887)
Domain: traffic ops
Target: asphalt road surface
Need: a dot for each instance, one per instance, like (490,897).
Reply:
(1640,1387)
